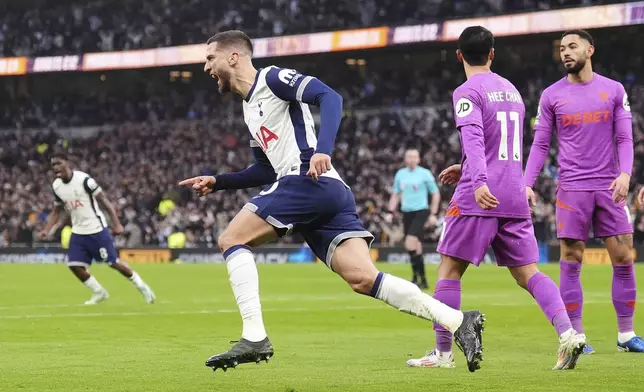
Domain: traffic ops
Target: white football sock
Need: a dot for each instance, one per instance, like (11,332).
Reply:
(93,285)
(444,355)
(244,280)
(566,334)
(624,337)
(407,297)
(136,280)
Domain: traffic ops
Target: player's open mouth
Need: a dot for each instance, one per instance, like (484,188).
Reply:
(569,61)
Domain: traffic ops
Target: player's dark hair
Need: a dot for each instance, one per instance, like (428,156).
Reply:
(59,155)
(232,37)
(475,44)
(583,34)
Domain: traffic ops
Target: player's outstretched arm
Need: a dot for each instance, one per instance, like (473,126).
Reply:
(260,173)
(289,85)
(117,227)
(52,221)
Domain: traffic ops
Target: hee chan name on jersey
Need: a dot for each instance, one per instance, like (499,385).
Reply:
(504,96)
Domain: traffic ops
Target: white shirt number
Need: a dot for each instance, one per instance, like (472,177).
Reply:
(502,117)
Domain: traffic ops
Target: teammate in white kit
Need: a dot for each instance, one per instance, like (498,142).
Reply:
(80,195)
(307,196)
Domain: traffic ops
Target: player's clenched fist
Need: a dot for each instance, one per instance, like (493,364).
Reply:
(203,185)
(640,197)
(484,198)
(451,175)
(320,164)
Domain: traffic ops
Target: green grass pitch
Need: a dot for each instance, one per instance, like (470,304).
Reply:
(326,338)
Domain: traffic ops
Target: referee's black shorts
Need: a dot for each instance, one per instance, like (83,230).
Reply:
(414,222)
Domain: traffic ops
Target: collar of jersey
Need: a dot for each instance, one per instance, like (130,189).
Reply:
(252,88)
(70,179)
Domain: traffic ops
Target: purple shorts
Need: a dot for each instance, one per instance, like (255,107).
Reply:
(468,237)
(576,210)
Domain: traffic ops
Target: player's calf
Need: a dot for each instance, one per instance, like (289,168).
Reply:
(572,253)
(244,231)
(136,280)
(546,293)
(351,260)
(99,294)
(624,291)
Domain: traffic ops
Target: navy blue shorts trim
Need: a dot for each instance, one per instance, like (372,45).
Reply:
(83,249)
(322,211)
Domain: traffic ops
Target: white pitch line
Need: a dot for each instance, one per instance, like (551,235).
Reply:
(277,298)
(493,298)
(218,311)
(187,312)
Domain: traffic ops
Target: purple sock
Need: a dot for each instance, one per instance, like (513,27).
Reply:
(571,292)
(448,292)
(624,294)
(544,290)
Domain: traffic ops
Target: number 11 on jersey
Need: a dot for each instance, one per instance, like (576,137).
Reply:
(502,117)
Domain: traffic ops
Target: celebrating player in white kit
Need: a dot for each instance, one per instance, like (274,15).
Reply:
(79,194)
(307,196)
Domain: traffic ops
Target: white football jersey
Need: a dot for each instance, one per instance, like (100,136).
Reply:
(78,196)
(283,128)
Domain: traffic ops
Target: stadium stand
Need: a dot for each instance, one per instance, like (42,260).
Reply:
(72,27)
(395,99)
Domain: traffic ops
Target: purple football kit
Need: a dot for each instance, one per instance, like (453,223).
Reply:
(595,137)
(594,133)
(489,114)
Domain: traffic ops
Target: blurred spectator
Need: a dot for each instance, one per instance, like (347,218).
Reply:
(103,25)
(150,141)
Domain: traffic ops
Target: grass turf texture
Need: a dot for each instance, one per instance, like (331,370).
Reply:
(326,338)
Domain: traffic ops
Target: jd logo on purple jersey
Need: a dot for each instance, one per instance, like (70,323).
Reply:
(463,107)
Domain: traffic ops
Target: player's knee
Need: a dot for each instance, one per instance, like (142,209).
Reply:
(522,281)
(226,240)
(361,284)
(573,251)
(411,242)
(621,249)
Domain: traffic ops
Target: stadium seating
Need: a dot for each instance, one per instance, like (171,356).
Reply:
(71,27)
(153,137)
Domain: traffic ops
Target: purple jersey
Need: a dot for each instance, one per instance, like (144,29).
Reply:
(593,123)
(489,113)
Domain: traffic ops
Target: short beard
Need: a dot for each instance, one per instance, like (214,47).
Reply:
(579,65)
(224,77)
